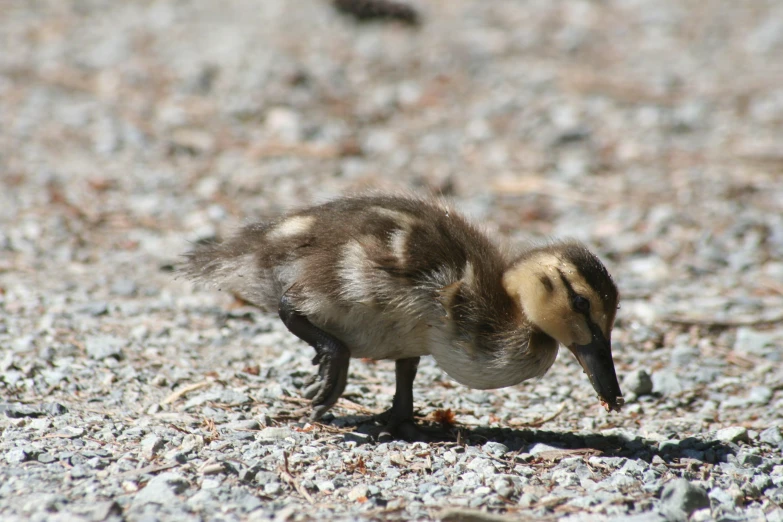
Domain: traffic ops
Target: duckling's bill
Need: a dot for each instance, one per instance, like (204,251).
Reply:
(596,360)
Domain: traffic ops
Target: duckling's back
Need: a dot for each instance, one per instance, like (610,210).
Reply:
(370,270)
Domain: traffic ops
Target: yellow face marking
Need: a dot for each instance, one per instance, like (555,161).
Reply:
(292,226)
(548,306)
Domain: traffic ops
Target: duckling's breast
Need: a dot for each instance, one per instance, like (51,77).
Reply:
(481,365)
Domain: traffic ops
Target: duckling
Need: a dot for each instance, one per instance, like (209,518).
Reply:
(393,277)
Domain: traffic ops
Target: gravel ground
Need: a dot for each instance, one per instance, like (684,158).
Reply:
(650,129)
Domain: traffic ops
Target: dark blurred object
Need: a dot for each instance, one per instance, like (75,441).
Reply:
(369,10)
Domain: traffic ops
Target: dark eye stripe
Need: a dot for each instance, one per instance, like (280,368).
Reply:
(547,284)
(567,283)
(574,297)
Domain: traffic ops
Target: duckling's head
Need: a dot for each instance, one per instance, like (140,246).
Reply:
(567,293)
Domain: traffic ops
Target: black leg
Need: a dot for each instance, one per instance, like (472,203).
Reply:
(402,407)
(331,355)
(399,419)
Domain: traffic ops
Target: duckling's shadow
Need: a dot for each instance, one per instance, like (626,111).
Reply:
(691,448)
(522,440)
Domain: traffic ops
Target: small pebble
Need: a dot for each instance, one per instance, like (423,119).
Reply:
(771,436)
(682,496)
(732,434)
(150,446)
(638,382)
(358,492)
(103,346)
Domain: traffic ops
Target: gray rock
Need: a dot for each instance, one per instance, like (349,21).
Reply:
(265,477)
(53,408)
(150,445)
(638,382)
(668,446)
(753,341)
(757,486)
(527,499)
(775,495)
(16,456)
(219,396)
(70,432)
(358,492)
(727,497)
(565,477)
(748,459)
(504,486)
(24,344)
(211,483)
(495,448)
(162,489)
(540,447)
(249,424)
(191,442)
(16,410)
(95,309)
(708,411)
(249,503)
(483,466)
(124,288)
(100,347)
(680,498)
(284,124)
(478,397)
(108,510)
(667,383)
(53,377)
(171,480)
(683,355)
(760,395)
(46,458)
(771,436)
(78,472)
(732,434)
(269,435)
(273,488)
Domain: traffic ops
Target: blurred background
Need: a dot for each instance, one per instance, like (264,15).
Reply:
(653,130)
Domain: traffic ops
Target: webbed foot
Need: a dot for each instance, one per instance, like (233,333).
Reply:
(331,356)
(329,383)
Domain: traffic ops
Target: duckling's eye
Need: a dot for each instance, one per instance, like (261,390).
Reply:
(581,304)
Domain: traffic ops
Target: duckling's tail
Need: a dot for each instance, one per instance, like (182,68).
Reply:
(231,265)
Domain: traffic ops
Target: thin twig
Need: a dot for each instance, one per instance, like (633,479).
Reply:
(553,455)
(174,397)
(288,478)
(145,470)
(272,150)
(348,404)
